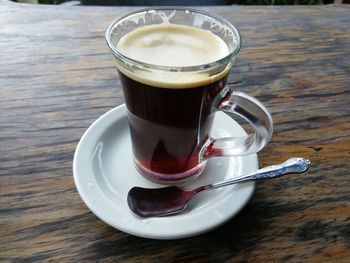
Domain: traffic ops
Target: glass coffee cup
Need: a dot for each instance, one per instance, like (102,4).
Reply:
(173,64)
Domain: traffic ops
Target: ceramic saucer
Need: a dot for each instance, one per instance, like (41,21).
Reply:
(104,173)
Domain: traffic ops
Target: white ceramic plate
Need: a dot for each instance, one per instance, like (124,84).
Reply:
(104,173)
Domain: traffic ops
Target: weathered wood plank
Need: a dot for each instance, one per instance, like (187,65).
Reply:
(56,78)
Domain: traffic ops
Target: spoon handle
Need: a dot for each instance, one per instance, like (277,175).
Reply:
(293,165)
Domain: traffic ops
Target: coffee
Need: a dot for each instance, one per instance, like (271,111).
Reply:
(173,65)
(170,113)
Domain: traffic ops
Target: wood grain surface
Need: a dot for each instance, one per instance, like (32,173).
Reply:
(57,77)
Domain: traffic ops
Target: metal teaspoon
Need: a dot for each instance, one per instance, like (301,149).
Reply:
(147,202)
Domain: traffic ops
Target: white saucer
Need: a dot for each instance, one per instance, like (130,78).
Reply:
(104,173)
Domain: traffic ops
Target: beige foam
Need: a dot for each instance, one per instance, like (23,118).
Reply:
(173,46)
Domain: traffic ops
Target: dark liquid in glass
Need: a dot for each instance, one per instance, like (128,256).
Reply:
(168,126)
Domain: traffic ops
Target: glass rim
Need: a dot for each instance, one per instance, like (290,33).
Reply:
(207,66)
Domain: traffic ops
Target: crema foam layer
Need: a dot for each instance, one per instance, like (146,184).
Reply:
(172,46)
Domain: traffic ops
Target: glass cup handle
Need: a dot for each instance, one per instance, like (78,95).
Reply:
(255,113)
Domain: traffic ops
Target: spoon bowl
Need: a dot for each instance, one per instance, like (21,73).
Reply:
(147,202)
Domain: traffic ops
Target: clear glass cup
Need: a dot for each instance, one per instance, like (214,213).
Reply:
(171,108)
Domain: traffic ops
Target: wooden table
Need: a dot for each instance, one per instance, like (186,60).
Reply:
(57,77)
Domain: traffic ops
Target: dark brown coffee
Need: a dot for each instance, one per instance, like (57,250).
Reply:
(169,126)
